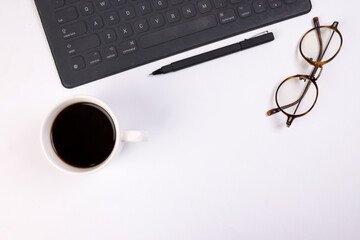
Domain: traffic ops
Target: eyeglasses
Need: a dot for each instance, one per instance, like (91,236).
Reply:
(296,95)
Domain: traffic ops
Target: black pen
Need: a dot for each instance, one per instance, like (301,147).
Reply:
(191,61)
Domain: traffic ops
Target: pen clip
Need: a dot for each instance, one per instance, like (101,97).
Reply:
(259,34)
(256,40)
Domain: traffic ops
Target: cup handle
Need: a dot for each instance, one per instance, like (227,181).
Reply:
(134,136)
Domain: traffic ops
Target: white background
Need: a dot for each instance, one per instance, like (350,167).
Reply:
(216,167)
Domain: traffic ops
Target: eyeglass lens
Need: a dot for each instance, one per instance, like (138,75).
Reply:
(297,95)
(321,49)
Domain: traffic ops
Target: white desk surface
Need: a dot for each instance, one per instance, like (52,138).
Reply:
(216,167)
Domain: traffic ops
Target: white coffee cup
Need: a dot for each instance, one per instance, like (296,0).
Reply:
(122,136)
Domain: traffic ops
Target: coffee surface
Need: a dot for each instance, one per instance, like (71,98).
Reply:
(83,135)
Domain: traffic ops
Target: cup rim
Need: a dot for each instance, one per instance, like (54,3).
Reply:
(46,145)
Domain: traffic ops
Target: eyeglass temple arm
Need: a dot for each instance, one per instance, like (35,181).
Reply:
(291,118)
(334,25)
(317,25)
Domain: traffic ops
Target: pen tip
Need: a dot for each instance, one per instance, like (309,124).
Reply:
(159,71)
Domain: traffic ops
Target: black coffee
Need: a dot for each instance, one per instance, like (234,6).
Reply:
(83,135)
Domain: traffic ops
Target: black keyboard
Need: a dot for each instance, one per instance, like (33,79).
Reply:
(93,39)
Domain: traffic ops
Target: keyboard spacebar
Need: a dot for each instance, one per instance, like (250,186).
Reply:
(178,31)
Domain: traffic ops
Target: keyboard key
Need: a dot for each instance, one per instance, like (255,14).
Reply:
(66,15)
(125,30)
(93,58)
(178,31)
(159,4)
(259,6)
(109,36)
(83,44)
(95,23)
(58,3)
(274,3)
(290,1)
(86,9)
(220,3)
(157,21)
(111,18)
(204,6)
(227,16)
(77,63)
(128,47)
(244,10)
(109,53)
(143,8)
(73,30)
(173,16)
(141,26)
(127,13)
(102,4)
(118,2)
(188,11)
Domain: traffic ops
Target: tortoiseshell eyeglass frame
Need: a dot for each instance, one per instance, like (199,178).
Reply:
(318,66)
